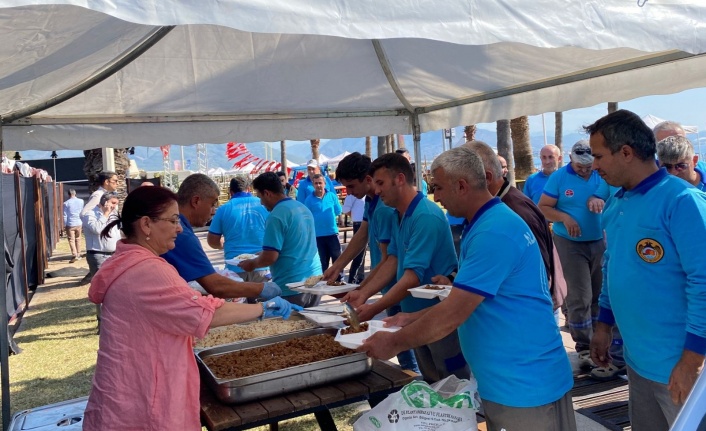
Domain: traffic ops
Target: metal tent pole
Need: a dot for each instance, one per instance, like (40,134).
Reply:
(4,342)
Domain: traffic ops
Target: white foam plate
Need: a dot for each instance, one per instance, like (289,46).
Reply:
(325,320)
(422,292)
(353,341)
(321,288)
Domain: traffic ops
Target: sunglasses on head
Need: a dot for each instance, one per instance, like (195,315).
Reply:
(582,152)
(677,166)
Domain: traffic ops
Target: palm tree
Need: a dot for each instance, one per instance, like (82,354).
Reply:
(470,132)
(368,147)
(283,155)
(505,147)
(93,164)
(315,148)
(558,133)
(521,147)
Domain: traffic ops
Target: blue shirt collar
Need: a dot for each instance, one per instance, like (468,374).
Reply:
(486,206)
(185,223)
(413,205)
(646,184)
(241,195)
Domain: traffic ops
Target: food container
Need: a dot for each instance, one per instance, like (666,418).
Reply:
(353,341)
(244,389)
(424,293)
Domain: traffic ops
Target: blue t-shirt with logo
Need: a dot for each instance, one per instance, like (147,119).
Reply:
(534,186)
(188,256)
(654,277)
(422,243)
(289,230)
(325,211)
(572,193)
(500,260)
(241,222)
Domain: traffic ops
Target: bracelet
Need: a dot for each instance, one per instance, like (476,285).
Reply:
(262,317)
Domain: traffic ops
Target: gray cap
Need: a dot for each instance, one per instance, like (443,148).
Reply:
(581,153)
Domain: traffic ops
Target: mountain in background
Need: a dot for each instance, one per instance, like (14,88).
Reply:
(299,152)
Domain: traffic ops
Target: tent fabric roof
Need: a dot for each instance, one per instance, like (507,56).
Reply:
(301,69)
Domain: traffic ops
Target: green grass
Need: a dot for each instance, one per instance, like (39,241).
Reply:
(59,344)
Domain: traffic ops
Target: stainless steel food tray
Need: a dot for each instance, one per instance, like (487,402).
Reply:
(264,385)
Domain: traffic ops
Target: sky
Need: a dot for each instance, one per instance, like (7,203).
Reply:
(687,107)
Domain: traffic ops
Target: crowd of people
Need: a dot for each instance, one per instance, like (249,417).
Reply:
(611,239)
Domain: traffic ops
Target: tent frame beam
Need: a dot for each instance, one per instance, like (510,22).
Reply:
(109,69)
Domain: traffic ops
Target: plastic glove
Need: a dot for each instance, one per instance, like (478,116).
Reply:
(277,307)
(270,290)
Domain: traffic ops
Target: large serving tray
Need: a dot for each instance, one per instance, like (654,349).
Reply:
(264,385)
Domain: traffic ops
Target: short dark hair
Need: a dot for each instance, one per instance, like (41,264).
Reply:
(196,185)
(623,127)
(395,163)
(354,166)
(141,202)
(268,181)
(239,184)
(102,177)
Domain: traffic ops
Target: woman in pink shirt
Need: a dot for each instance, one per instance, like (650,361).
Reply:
(146,376)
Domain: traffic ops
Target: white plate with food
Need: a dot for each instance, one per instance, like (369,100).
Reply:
(325,288)
(325,319)
(239,258)
(429,291)
(352,340)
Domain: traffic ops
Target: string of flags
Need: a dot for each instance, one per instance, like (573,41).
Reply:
(243,157)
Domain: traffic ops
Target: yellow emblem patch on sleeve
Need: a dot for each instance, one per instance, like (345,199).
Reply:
(649,250)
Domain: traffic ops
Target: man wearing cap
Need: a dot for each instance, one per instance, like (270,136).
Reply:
(306,185)
(573,199)
(534,185)
(654,277)
(676,154)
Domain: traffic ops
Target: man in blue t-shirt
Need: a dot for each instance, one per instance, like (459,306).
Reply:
(573,199)
(499,296)
(550,155)
(420,249)
(654,279)
(376,229)
(325,207)
(676,154)
(239,227)
(197,199)
(289,245)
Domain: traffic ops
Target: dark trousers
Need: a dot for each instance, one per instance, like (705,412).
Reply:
(355,273)
(329,249)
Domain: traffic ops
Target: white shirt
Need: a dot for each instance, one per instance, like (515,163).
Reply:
(354,206)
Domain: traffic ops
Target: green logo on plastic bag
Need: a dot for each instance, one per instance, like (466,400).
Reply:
(375,421)
(420,395)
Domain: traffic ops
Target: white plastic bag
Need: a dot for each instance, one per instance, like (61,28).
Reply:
(447,405)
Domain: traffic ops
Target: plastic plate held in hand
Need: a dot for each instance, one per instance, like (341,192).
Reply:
(353,341)
(424,292)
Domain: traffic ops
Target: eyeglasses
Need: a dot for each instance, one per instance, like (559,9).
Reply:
(174,221)
(677,166)
(581,152)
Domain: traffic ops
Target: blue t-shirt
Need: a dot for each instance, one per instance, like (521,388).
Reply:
(241,221)
(510,340)
(188,256)
(534,186)
(572,193)
(654,277)
(325,211)
(422,243)
(289,230)
(306,188)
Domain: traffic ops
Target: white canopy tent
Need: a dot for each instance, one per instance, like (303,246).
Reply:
(252,70)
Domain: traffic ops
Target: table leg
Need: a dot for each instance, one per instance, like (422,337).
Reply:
(325,420)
